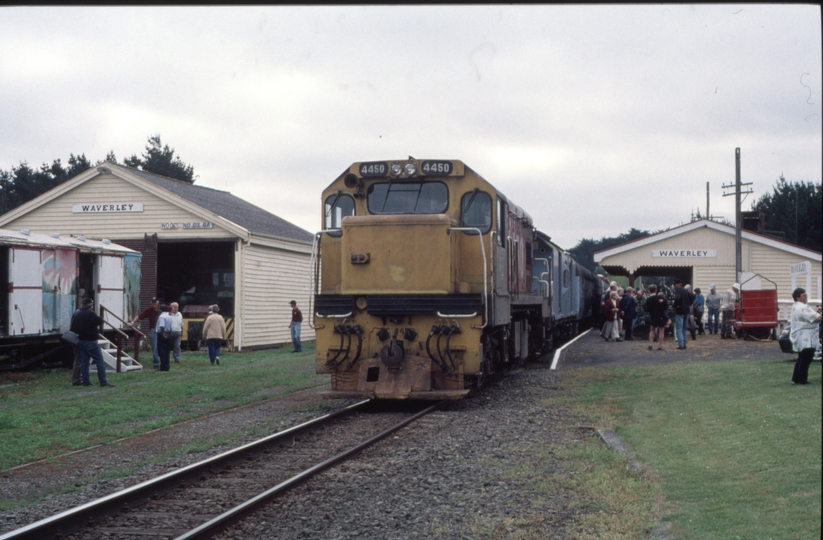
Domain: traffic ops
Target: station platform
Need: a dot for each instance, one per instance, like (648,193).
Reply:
(592,350)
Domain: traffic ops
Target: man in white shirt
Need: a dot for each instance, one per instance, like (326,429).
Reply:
(163,330)
(727,306)
(176,333)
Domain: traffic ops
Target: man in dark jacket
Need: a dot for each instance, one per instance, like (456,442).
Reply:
(628,309)
(85,324)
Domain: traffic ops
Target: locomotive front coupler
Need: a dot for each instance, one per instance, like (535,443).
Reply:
(392,354)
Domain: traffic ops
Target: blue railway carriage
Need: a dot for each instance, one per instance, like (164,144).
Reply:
(43,277)
(427,279)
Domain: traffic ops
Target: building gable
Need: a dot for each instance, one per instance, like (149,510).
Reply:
(88,208)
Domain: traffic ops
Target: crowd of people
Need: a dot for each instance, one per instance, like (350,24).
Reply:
(679,309)
(165,336)
(166,332)
(683,309)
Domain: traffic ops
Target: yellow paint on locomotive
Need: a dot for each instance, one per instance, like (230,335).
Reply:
(405,255)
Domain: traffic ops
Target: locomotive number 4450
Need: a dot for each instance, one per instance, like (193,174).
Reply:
(436,167)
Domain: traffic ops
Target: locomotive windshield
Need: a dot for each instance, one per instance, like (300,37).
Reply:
(408,198)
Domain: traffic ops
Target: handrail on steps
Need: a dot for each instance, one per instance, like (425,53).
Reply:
(122,335)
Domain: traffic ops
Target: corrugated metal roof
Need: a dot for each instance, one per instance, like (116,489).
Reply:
(224,204)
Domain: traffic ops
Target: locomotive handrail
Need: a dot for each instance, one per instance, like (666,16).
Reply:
(485,280)
(314,276)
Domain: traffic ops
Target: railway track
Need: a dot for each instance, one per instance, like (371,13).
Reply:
(202,499)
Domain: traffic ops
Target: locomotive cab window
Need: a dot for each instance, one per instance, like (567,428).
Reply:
(408,198)
(337,207)
(476,210)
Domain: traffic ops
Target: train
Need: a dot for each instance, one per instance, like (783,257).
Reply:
(426,279)
(44,276)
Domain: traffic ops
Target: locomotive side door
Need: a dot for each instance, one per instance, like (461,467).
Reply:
(108,283)
(25,308)
(501,305)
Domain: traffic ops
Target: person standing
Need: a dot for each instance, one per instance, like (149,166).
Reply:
(76,377)
(176,333)
(604,314)
(86,324)
(612,310)
(628,308)
(681,306)
(727,307)
(294,326)
(805,334)
(163,332)
(713,301)
(699,305)
(214,331)
(657,307)
(152,313)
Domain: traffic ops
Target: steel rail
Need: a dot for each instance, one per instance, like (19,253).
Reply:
(73,519)
(219,523)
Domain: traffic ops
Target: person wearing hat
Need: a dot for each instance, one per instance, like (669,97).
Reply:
(86,324)
(713,301)
(152,313)
(727,307)
(294,326)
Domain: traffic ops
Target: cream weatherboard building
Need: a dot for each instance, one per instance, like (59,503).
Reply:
(703,253)
(200,246)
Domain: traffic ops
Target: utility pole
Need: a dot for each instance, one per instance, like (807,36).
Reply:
(738,215)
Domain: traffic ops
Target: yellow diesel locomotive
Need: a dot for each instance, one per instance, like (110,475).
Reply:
(426,279)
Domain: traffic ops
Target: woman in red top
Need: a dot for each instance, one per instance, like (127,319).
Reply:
(611,308)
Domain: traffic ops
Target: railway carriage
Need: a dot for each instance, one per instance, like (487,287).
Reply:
(42,275)
(426,279)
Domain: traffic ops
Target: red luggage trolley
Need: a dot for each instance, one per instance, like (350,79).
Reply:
(756,313)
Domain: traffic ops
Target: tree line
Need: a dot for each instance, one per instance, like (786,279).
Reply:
(793,212)
(793,209)
(23,183)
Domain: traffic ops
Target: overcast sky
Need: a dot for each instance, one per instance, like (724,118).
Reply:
(594,119)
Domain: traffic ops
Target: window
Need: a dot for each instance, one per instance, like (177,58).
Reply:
(337,207)
(408,198)
(476,210)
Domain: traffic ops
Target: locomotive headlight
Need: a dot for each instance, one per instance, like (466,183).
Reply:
(396,169)
(410,169)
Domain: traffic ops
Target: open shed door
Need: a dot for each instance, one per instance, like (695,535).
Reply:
(25,292)
(108,280)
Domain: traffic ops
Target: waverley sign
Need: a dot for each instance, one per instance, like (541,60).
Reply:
(671,253)
(97,208)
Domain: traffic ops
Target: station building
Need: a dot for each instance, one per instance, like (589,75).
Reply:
(200,246)
(703,253)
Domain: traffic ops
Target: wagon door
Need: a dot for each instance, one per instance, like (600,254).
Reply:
(131,279)
(25,292)
(108,280)
(59,288)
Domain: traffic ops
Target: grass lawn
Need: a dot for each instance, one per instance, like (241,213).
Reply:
(734,447)
(43,415)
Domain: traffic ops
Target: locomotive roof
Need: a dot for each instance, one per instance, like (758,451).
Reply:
(458,169)
(28,238)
